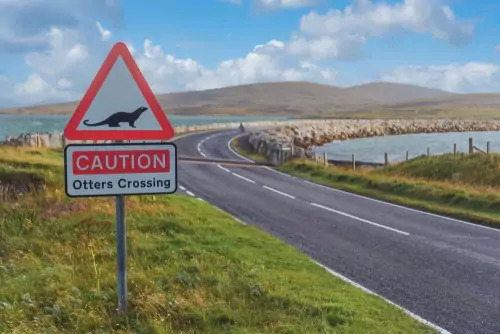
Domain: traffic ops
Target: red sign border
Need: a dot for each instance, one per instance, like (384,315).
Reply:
(71,132)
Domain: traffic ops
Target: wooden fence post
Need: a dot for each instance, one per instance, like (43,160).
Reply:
(428,152)
(386,158)
(325,157)
(488,147)
(353,161)
(407,157)
(454,148)
(471,146)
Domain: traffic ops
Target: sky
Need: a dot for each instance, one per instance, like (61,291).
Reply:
(51,49)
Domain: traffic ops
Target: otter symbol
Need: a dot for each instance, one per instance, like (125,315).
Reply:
(115,119)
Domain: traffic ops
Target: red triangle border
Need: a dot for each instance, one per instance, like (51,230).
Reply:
(118,49)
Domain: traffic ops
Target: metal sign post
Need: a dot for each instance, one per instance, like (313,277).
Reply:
(121,250)
(121,253)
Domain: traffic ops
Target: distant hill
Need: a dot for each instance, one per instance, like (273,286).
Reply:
(480,100)
(263,98)
(305,99)
(389,93)
(278,98)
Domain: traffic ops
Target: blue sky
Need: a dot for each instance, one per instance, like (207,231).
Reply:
(50,49)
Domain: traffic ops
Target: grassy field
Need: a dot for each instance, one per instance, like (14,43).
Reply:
(191,268)
(461,186)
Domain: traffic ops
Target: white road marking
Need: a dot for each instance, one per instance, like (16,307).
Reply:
(201,199)
(403,207)
(223,168)
(227,213)
(198,147)
(182,188)
(277,171)
(236,153)
(366,290)
(279,192)
(359,219)
(189,193)
(243,178)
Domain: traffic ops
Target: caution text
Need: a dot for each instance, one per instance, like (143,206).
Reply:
(121,162)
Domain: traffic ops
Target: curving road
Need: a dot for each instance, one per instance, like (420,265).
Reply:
(443,270)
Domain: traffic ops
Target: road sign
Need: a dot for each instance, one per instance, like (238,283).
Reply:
(119,104)
(120,169)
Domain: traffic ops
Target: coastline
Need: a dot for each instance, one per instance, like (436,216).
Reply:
(301,138)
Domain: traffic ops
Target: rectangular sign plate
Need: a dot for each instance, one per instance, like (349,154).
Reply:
(120,169)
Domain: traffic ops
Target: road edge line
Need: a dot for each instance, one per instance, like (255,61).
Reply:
(408,312)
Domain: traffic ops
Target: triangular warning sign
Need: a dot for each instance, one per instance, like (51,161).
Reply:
(119,104)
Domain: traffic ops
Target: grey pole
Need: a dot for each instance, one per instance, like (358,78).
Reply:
(121,253)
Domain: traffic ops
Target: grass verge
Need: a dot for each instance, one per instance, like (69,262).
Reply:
(462,186)
(241,146)
(191,268)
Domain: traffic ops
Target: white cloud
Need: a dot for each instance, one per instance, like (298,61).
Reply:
(265,63)
(64,83)
(64,53)
(130,48)
(105,34)
(64,70)
(34,89)
(461,78)
(344,47)
(497,47)
(343,34)
(25,25)
(275,4)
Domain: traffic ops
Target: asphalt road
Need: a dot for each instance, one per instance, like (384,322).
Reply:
(443,270)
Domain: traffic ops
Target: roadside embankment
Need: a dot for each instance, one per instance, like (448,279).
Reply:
(305,136)
(191,267)
(463,186)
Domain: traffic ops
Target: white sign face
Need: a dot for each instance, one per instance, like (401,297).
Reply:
(120,169)
(119,105)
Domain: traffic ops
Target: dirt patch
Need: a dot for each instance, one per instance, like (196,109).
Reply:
(14,184)
(57,209)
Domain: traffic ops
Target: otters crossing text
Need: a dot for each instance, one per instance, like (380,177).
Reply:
(124,169)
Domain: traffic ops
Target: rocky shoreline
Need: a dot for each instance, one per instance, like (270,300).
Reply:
(306,136)
(57,140)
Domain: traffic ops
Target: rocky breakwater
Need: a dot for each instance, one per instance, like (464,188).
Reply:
(301,138)
(57,140)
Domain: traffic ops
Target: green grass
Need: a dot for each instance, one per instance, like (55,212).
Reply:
(462,186)
(191,268)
